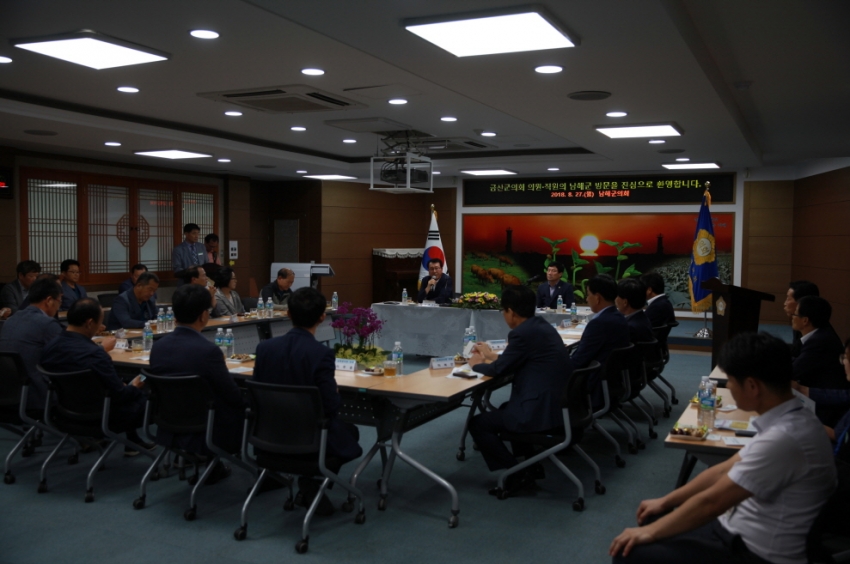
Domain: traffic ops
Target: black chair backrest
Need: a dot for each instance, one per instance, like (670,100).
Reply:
(249,303)
(285,419)
(661,333)
(179,404)
(13,377)
(79,394)
(653,357)
(576,396)
(106,300)
(616,370)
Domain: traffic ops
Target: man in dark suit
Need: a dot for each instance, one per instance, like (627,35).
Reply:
(608,330)
(797,290)
(631,297)
(28,332)
(537,358)
(15,291)
(135,272)
(547,294)
(185,352)
(436,286)
(131,309)
(297,359)
(659,310)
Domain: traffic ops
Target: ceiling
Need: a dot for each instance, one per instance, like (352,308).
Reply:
(751,84)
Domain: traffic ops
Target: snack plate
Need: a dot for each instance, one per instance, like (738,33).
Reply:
(242,359)
(688,437)
(373,371)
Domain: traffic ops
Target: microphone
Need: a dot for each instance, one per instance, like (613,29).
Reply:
(535,278)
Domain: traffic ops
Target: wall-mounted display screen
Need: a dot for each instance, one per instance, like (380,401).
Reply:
(596,190)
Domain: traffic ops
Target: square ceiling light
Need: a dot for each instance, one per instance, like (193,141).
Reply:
(91,49)
(330,177)
(487,34)
(689,166)
(493,172)
(634,131)
(172,154)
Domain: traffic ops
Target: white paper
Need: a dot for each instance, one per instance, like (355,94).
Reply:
(737,441)
(240,370)
(145,358)
(464,368)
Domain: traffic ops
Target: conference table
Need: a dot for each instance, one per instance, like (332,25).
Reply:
(393,405)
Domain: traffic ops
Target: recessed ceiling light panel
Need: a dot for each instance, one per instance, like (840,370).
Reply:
(448,118)
(349,140)
(488,35)
(312,72)
(494,172)
(398,101)
(682,160)
(173,154)
(690,166)
(224,160)
(92,50)
(549,69)
(127,89)
(634,131)
(233,113)
(616,114)
(656,141)
(301,172)
(553,169)
(330,177)
(112,144)
(298,128)
(5,60)
(204,34)
(488,134)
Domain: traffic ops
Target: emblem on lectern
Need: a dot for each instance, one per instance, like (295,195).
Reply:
(720,306)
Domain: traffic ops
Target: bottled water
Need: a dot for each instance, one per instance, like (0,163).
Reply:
(219,340)
(229,343)
(269,308)
(335,301)
(404,296)
(160,321)
(261,308)
(398,356)
(473,336)
(466,334)
(560,304)
(147,336)
(705,416)
(169,320)
(573,313)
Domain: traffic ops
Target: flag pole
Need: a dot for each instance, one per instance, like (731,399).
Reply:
(705,332)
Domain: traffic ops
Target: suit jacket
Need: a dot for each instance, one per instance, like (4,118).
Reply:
(817,365)
(660,311)
(541,366)
(442,292)
(69,295)
(12,295)
(27,333)
(185,352)
(224,307)
(608,330)
(128,313)
(182,257)
(563,289)
(280,298)
(297,359)
(126,285)
(640,330)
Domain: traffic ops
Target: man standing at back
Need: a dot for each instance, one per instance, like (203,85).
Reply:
(537,358)
(190,252)
(547,294)
(297,359)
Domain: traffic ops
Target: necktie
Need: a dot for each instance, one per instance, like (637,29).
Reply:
(194,254)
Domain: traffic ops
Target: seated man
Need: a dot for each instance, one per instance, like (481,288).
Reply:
(547,294)
(631,297)
(185,352)
(131,309)
(28,331)
(759,505)
(797,290)
(659,310)
(135,272)
(15,291)
(279,289)
(297,359)
(541,366)
(211,247)
(71,289)
(198,275)
(436,286)
(608,330)
(74,350)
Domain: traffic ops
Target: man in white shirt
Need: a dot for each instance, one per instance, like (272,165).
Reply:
(759,505)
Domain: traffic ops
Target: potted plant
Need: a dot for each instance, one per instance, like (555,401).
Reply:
(356,329)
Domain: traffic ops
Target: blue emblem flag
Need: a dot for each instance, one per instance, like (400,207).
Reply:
(703,259)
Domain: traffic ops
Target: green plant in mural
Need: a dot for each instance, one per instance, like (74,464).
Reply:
(601,268)
(631,271)
(578,264)
(553,253)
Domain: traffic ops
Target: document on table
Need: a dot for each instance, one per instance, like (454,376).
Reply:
(145,358)
(466,369)
(737,441)
(240,370)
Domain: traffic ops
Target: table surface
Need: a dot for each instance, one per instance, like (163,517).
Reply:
(689,417)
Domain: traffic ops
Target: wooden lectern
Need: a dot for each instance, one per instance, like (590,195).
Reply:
(736,310)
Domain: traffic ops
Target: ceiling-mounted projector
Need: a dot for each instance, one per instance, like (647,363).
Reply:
(406,174)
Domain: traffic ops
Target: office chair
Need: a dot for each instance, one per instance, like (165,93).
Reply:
(14,415)
(106,300)
(614,382)
(653,362)
(289,433)
(661,333)
(249,303)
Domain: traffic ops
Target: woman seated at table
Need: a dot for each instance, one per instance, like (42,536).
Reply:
(227,301)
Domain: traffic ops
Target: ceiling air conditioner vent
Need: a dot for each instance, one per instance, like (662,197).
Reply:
(476,144)
(294,98)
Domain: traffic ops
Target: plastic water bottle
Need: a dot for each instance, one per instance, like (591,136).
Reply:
(219,340)
(335,301)
(169,320)
(560,304)
(404,296)
(230,343)
(160,321)
(705,417)
(398,356)
(147,336)
(269,308)
(261,308)
(573,313)
(473,335)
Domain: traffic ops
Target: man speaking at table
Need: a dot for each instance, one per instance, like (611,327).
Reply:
(436,286)
(759,505)
(547,294)
(537,358)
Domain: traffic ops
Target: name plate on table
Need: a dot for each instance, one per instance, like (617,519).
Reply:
(442,362)
(345,364)
(498,345)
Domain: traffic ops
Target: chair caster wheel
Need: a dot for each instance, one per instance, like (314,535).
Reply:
(155,476)
(347,506)
(461,455)
(599,488)
(190,513)
(299,498)
(654,421)
(36,442)
(578,505)
(89,496)
(74,458)
(8,478)
(641,445)
(620,462)
(139,503)
(193,480)
(28,451)
(675,401)
(240,533)
(453,521)
(667,413)
(301,547)
(378,483)
(360,519)
(42,487)
(382,504)
(474,446)
(503,494)
(633,449)
(181,474)
(289,505)
(653,435)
